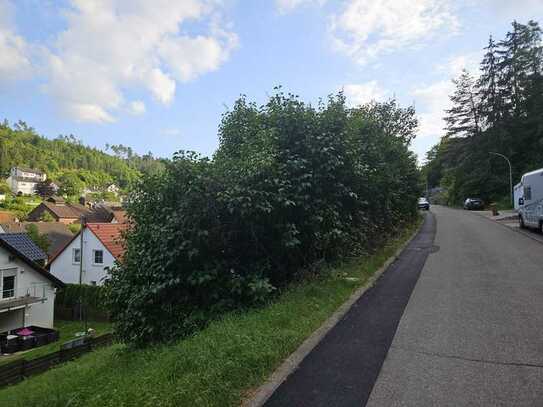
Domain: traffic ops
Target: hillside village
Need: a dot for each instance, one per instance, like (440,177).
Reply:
(75,241)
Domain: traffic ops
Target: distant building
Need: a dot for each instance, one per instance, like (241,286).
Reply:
(23,180)
(68,213)
(102,245)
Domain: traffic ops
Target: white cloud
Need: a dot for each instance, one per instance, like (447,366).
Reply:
(366,29)
(286,6)
(14,51)
(136,107)
(432,100)
(456,64)
(359,94)
(110,46)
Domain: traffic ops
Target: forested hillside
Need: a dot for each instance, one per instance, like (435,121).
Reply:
(500,111)
(66,157)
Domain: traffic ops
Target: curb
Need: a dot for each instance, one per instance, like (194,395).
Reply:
(514,230)
(290,364)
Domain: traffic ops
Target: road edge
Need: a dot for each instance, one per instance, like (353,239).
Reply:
(291,363)
(514,230)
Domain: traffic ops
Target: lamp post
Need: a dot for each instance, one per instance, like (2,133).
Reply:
(510,176)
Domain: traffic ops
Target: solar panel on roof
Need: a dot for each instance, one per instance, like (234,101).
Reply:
(24,245)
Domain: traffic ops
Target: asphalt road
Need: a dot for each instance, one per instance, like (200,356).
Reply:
(472,332)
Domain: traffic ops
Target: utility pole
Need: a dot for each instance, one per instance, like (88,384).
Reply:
(81,270)
(510,177)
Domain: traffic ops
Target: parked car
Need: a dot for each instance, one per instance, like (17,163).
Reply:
(474,204)
(423,204)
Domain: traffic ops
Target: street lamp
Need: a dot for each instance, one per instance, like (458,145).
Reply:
(510,176)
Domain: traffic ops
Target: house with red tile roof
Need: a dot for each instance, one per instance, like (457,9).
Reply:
(90,254)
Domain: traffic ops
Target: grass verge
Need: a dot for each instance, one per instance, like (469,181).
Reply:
(218,366)
(67,331)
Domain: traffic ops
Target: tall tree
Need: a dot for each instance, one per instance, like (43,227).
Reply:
(488,86)
(504,109)
(464,117)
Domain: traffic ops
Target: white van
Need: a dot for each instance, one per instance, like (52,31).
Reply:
(531,204)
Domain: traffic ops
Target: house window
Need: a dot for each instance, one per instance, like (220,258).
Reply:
(98,256)
(7,286)
(76,256)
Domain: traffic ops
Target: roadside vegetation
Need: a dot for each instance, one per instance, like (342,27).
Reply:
(498,111)
(291,188)
(218,366)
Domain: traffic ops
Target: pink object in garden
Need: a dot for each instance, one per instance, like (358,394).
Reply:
(25,332)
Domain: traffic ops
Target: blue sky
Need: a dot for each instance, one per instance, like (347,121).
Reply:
(157,75)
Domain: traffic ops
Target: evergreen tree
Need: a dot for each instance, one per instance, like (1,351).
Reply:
(503,108)
(488,86)
(464,117)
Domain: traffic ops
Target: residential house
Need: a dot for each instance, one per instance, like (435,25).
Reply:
(68,213)
(27,291)
(102,247)
(23,180)
(57,233)
(24,244)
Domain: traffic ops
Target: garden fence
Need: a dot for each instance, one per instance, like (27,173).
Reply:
(16,371)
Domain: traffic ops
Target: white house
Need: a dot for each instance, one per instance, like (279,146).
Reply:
(23,180)
(27,291)
(102,246)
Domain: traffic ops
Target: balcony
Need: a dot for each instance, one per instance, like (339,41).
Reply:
(34,294)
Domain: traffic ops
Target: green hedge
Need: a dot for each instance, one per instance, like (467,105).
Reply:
(291,187)
(93,297)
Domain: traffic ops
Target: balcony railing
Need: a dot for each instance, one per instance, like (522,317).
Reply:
(37,292)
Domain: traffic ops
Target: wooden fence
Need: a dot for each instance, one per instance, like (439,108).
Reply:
(16,371)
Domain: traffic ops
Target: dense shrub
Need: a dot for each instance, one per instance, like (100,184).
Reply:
(71,295)
(290,186)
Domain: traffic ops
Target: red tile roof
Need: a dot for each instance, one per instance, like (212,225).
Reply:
(7,217)
(119,215)
(110,234)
